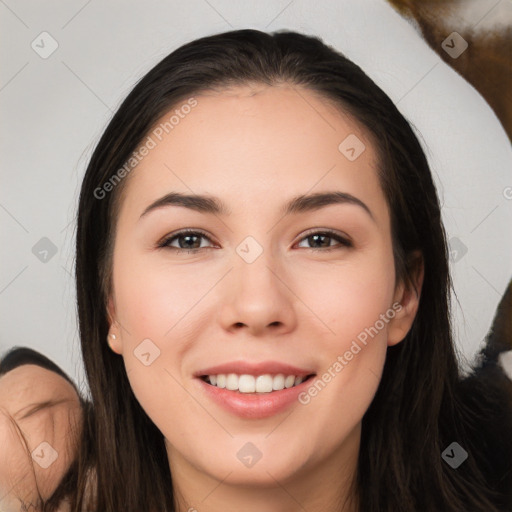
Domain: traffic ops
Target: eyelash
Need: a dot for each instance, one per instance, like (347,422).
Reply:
(344,242)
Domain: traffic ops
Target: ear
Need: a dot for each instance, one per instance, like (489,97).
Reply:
(408,296)
(114,343)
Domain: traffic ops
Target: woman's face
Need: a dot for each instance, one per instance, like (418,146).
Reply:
(263,296)
(41,408)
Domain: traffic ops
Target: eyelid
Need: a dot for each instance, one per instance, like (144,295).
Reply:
(162,243)
(325,231)
(36,407)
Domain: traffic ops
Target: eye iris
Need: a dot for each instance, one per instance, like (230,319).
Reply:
(316,236)
(188,237)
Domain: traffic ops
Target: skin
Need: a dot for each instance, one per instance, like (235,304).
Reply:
(22,391)
(292,304)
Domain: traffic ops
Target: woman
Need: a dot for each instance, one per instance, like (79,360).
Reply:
(233,364)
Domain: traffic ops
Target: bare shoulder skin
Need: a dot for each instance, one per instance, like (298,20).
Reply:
(40,415)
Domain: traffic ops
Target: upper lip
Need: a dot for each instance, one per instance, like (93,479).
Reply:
(248,368)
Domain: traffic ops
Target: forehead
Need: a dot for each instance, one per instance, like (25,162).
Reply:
(32,383)
(248,141)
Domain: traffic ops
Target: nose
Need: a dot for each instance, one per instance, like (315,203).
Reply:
(257,298)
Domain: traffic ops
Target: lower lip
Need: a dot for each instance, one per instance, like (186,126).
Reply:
(254,405)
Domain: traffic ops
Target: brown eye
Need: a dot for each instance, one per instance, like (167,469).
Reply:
(323,240)
(188,240)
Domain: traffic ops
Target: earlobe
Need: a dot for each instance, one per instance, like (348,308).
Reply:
(114,343)
(408,296)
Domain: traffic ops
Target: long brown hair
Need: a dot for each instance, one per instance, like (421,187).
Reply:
(417,411)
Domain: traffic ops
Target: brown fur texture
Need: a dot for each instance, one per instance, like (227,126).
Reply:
(487,62)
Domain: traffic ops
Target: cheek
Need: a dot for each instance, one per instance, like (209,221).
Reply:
(152,297)
(351,298)
(155,305)
(152,364)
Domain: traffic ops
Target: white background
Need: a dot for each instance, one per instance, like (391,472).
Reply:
(55,109)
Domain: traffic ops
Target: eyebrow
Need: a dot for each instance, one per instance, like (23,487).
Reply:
(299,204)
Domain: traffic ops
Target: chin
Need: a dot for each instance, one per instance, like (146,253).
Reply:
(254,460)
(261,475)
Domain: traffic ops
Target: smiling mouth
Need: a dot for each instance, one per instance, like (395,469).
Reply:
(255,384)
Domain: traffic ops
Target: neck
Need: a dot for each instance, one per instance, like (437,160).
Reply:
(324,484)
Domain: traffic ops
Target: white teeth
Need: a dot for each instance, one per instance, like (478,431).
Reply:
(278,382)
(264,383)
(232,381)
(250,384)
(289,381)
(246,384)
(221,380)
